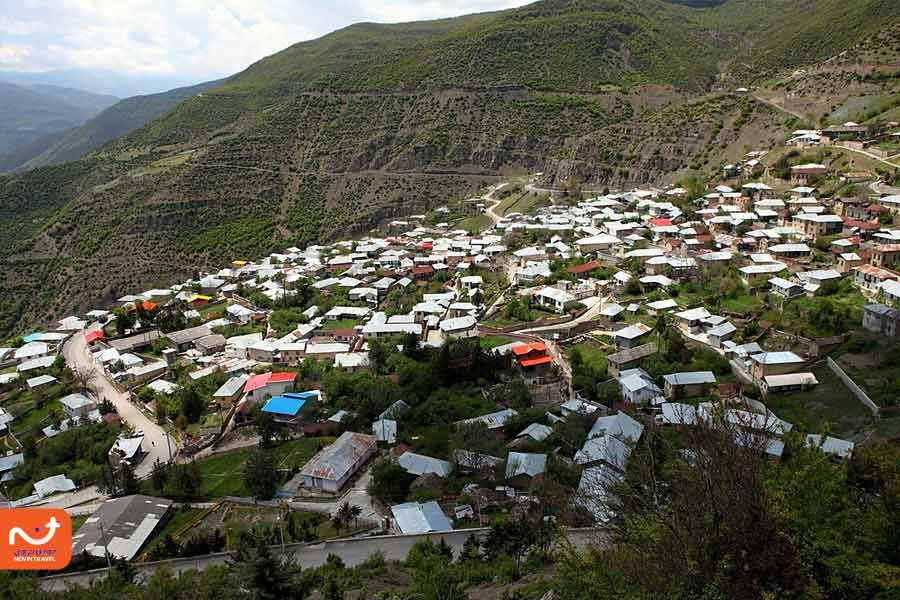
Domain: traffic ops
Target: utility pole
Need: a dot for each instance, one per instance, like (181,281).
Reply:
(105,546)
(168,444)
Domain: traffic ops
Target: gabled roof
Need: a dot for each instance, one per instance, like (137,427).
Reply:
(415,518)
(525,463)
(261,380)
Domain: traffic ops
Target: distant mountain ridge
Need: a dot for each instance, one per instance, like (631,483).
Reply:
(119,119)
(28,113)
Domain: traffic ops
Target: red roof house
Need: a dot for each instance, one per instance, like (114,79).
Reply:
(532,355)
(94,335)
(268,384)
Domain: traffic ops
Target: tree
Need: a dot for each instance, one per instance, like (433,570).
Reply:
(267,429)
(377,355)
(261,476)
(191,403)
(270,577)
(124,320)
(159,475)
(119,480)
(186,481)
(390,482)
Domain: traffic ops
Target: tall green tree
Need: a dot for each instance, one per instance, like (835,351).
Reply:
(261,476)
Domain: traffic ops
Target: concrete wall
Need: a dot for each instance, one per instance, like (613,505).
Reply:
(851,385)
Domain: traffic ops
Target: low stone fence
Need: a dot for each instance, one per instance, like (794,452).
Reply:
(851,385)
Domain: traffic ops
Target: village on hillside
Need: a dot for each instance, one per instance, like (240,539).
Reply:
(492,355)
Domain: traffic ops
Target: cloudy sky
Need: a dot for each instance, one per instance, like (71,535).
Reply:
(187,40)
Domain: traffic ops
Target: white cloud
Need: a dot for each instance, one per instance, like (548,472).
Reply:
(197,39)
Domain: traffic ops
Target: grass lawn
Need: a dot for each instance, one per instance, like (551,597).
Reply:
(830,402)
(475,223)
(213,310)
(223,473)
(492,341)
(340,324)
(78,521)
(592,354)
(180,518)
(743,303)
(31,418)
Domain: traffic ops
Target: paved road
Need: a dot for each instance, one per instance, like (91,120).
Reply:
(79,359)
(352,551)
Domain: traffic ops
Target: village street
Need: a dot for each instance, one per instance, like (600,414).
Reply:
(79,359)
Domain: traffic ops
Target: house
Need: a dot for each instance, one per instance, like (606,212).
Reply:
(687,384)
(721,333)
(126,450)
(584,270)
(882,319)
(184,339)
(870,277)
(846,261)
(459,327)
(594,494)
(786,289)
(263,385)
(53,485)
(789,382)
(286,409)
(230,391)
(632,336)
(674,413)
(474,461)
(352,362)
(77,405)
(803,174)
(385,430)
(419,464)
(210,344)
(830,445)
(774,363)
(790,250)
(31,351)
(331,468)
(637,387)
(533,359)
(692,320)
(121,527)
(597,243)
(536,432)
(136,342)
(471,282)
(553,298)
(524,469)
(628,359)
(493,421)
(143,373)
(816,225)
(885,255)
(413,518)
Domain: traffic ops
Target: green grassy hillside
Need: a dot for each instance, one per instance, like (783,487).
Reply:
(332,136)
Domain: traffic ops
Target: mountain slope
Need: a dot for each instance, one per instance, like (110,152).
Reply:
(30,113)
(120,119)
(335,135)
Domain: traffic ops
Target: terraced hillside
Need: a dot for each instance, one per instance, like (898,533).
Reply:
(330,137)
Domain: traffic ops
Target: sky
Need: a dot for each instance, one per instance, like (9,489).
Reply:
(187,40)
